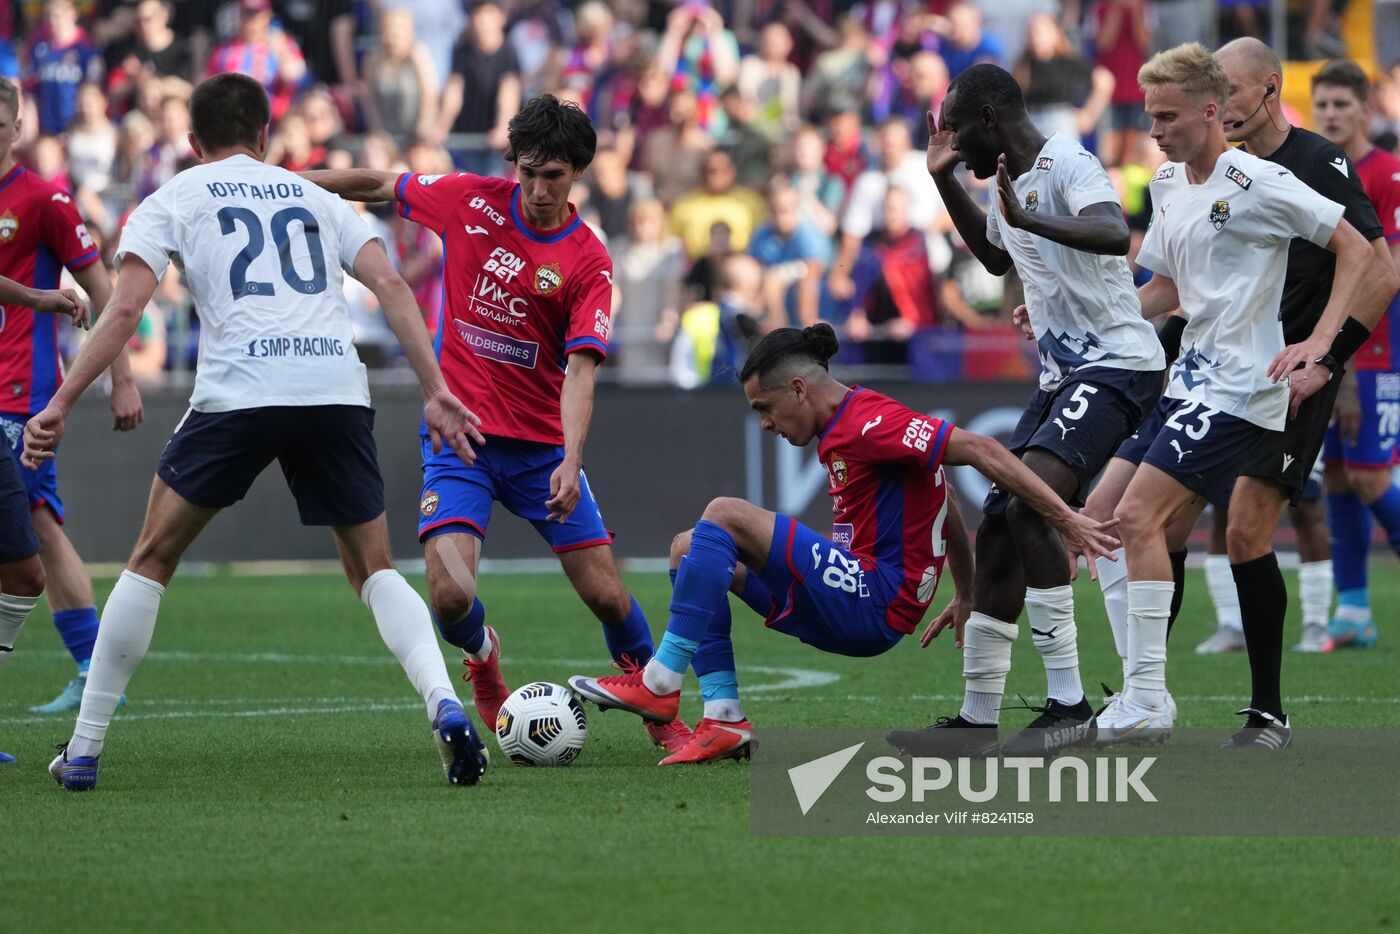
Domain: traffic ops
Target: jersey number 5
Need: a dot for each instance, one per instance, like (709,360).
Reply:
(230,218)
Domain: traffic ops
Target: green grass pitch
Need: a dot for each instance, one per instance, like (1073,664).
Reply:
(273,772)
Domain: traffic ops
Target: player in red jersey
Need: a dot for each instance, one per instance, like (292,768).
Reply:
(855,593)
(529,305)
(40,234)
(1361,445)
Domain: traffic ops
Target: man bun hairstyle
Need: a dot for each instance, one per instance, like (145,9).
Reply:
(546,129)
(229,110)
(790,347)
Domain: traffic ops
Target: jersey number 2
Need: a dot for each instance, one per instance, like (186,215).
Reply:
(238,282)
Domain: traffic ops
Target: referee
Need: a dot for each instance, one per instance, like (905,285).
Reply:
(1276,476)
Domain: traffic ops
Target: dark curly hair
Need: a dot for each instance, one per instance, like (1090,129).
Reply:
(547,128)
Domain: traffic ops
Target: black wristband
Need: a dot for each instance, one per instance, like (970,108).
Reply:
(1170,336)
(1348,341)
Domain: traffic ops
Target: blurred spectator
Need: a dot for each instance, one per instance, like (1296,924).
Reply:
(437,23)
(418,252)
(60,59)
(795,255)
(482,93)
(749,147)
(720,198)
(820,192)
(135,138)
(1064,93)
(702,282)
(47,160)
(171,151)
(838,78)
(845,156)
(292,148)
(92,141)
(900,166)
(648,264)
(324,30)
(324,125)
(576,69)
(674,155)
(264,53)
(967,42)
(701,56)
(1009,20)
(611,193)
(895,287)
(772,84)
(1177,21)
(153,48)
(922,83)
(715,336)
(1123,40)
(402,85)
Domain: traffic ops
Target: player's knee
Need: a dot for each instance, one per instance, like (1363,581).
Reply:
(1369,485)
(680,547)
(452,599)
(1136,521)
(609,601)
(1024,519)
(25,578)
(1246,539)
(726,512)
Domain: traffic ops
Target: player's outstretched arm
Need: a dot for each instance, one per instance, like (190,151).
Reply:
(136,283)
(127,410)
(960,568)
(1083,535)
(970,220)
(447,419)
(1158,297)
(355,184)
(46,301)
(576,414)
(1099,228)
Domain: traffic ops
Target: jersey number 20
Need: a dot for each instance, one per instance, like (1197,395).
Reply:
(229,218)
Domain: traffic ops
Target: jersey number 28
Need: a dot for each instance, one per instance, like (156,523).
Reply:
(231,218)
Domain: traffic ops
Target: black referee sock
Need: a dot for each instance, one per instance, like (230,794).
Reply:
(1263,604)
(1178,559)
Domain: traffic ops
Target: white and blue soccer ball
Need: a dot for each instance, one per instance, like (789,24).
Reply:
(542,724)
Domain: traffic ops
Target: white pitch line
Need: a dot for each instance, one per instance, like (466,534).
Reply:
(1189,698)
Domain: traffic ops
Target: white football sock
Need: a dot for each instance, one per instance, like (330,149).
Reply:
(986,662)
(727,709)
(123,636)
(1051,613)
(13,612)
(407,629)
(659,679)
(1113,581)
(1149,605)
(1315,591)
(483,653)
(1220,581)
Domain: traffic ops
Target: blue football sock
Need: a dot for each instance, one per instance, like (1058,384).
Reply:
(1349,522)
(469,632)
(1387,512)
(1356,598)
(629,640)
(719,685)
(701,591)
(78,630)
(756,595)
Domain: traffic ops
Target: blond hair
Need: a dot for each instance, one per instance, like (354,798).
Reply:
(1190,67)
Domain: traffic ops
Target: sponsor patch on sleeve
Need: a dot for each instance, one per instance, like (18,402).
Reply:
(1239,178)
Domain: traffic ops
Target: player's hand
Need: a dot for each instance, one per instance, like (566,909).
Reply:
(1088,537)
(127,410)
(942,157)
(449,421)
(63,302)
(564,491)
(1011,211)
(954,615)
(1021,317)
(41,436)
(1304,383)
(1347,410)
(1299,355)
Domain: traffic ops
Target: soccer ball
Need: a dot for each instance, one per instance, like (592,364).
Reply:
(542,724)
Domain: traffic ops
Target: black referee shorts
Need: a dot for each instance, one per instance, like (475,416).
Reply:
(1288,457)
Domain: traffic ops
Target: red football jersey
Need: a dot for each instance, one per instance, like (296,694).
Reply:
(1380,176)
(519,300)
(40,233)
(884,465)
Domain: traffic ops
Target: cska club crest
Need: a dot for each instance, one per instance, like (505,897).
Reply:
(429,504)
(838,470)
(1219,214)
(548,279)
(9,226)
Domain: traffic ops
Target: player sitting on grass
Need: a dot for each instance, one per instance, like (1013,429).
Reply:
(855,593)
(279,379)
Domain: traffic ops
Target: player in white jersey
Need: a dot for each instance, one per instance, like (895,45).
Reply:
(278,378)
(1218,246)
(1056,217)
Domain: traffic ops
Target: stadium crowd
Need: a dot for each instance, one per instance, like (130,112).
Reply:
(760,163)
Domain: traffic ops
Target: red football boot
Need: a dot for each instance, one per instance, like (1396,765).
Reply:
(672,736)
(627,692)
(489,689)
(714,740)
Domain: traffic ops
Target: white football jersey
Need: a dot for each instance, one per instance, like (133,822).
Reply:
(263,253)
(1082,306)
(1224,243)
